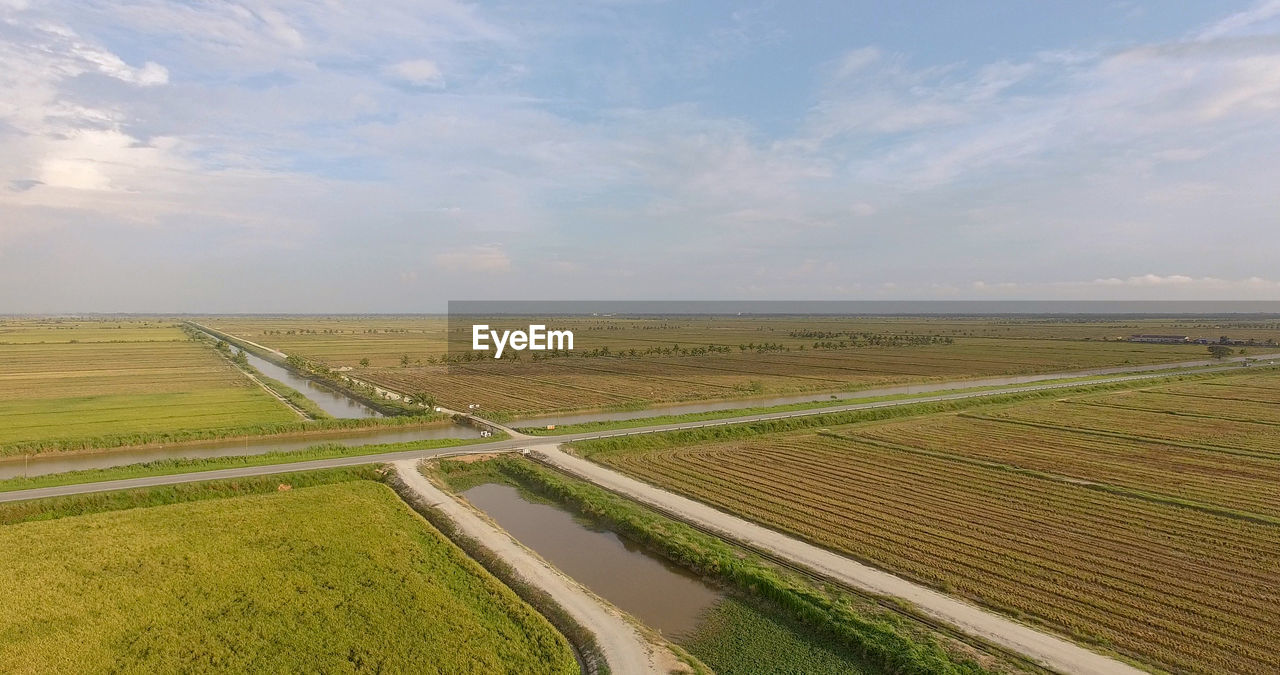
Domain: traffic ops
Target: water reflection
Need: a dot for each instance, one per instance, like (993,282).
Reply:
(662,595)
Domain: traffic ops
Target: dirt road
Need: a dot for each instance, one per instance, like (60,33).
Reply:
(624,648)
(1050,651)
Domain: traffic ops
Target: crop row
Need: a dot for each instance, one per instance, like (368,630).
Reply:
(1175,429)
(1068,614)
(1178,588)
(1189,405)
(1065,508)
(1257,389)
(1216,478)
(1033,546)
(998,594)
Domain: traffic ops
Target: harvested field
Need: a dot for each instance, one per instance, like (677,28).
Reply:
(1155,534)
(1252,437)
(1174,587)
(1243,483)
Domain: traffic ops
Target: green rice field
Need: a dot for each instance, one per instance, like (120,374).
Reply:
(61,381)
(330,578)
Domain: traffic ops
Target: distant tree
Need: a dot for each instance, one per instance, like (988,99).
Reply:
(364,363)
(422,398)
(404,361)
(1219,351)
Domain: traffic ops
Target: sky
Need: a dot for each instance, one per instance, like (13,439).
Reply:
(331,156)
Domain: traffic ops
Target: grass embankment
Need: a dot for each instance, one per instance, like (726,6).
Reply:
(833,401)
(293,396)
(739,637)
(332,575)
(858,625)
(168,467)
(294,426)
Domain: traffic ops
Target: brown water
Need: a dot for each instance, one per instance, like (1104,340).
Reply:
(35,466)
(333,402)
(660,594)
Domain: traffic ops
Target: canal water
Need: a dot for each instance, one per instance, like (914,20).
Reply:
(335,403)
(662,595)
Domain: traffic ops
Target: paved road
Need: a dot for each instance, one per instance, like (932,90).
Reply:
(624,648)
(18,495)
(482,421)
(1051,652)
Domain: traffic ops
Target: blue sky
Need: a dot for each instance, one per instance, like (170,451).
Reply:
(304,155)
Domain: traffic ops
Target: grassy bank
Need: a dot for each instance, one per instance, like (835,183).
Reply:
(167,467)
(50,508)
(291,395)
(142,439)
(334,575)
(743,637)
(858,625)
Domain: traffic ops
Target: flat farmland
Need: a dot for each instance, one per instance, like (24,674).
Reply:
(343,340)
(331,578)
(1140,539)
(1255,437)
(526,387)
(60,383)
(639,362)
(1242,483)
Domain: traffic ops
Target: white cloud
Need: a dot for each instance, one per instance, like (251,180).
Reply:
(1183,280)
(949,123)
(855,60)
(1139,287)
(93,159)
(1242,22)
(150,74)
(286,125)
(418,72)
(483,258)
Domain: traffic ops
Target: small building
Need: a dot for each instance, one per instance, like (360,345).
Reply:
(1161,339)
